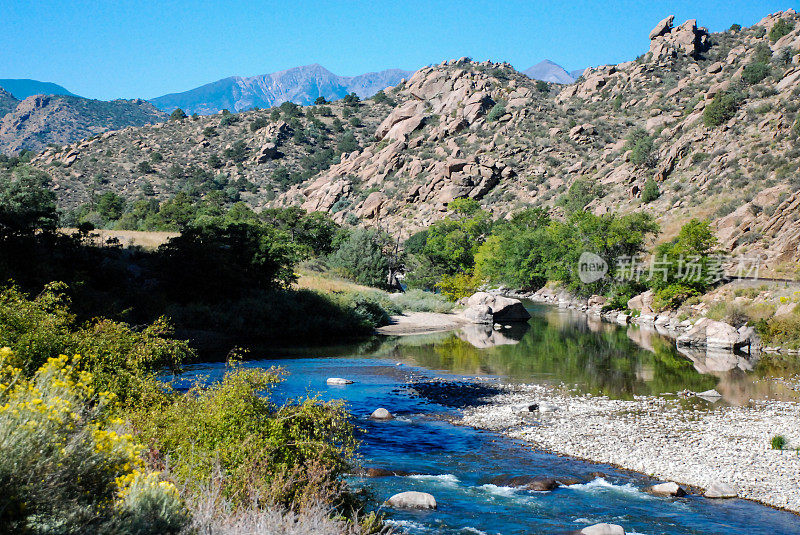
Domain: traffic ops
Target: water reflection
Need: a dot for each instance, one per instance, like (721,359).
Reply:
(561,346)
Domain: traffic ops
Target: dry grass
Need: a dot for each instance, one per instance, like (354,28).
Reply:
(327,282)
(129,238)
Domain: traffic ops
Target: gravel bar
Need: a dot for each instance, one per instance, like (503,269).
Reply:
(656,436)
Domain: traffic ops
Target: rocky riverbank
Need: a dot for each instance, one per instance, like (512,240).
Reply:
(658,436)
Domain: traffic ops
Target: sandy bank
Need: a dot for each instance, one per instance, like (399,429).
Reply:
(421,323)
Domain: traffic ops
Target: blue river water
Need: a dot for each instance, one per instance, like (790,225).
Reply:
(457,464)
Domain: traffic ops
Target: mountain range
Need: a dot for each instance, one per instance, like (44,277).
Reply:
(301,85)
(707,124)
(64,120)
(23,88)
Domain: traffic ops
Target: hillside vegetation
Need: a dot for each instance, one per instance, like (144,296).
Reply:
(702,125)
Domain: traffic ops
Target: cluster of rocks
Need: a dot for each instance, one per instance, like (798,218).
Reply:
(687,39)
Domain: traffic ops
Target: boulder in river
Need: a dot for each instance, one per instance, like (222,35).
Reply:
(383,472)
(603,529)
(338,381)
(669,488)
(502,309)
(719,489)
(412,500)
(479,314)
(381,414)
(542,484)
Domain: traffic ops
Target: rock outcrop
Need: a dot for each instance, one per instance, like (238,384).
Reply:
(687,39)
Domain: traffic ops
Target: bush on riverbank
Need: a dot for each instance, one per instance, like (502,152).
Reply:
(781,330)
(66,462)
(67,467)
(416,300)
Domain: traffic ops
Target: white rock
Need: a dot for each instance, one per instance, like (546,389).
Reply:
(709,394)
(668,489)
(412,500)
(603,529)
(338,381)
(719,489)
(381,414)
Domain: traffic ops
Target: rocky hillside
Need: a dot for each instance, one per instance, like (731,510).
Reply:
(7,102)
(710,120)
(41,120)
(301,85)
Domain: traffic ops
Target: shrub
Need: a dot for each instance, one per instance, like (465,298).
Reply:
(416,300)
(780,330)
(66,467)
(721,109)
(754,73)
(458,286)
(650,191)
(177,115)
(497,111)
(780,29)
(778,442)
(735,28)
(292,455)
(542,86)
(640,143)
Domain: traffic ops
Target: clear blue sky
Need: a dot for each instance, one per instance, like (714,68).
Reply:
(126,49)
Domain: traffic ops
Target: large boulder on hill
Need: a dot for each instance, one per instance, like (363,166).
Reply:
(642,302)
(687,39)
(402,121)
(502,309)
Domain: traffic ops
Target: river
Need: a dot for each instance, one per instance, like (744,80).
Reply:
(459,465)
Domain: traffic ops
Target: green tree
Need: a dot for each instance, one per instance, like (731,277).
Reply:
(177,115)
(27,204)
(497,111)
(320,101)
(687,264)
(542,86)
(110,206)
(582,191)
(363,257)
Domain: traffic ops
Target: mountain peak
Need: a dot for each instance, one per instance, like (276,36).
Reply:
(22,88)
(549,71)
(301,85)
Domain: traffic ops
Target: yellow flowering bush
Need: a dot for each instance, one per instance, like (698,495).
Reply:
(66,465)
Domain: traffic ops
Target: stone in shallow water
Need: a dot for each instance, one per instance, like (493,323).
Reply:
(603,529)
(710,394)
(338,381)
(718,489)
(668,489)
(381,414)
(412,500)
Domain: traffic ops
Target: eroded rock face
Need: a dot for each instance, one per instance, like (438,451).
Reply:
(687,39)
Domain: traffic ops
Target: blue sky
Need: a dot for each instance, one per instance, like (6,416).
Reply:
(125,49)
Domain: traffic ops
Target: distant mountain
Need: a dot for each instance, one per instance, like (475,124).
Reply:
(22,88)
(43,119)
(301,85)
(7,102)
(550,72)
(577,73)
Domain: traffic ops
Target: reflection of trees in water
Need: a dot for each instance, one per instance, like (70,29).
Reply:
(558,348)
